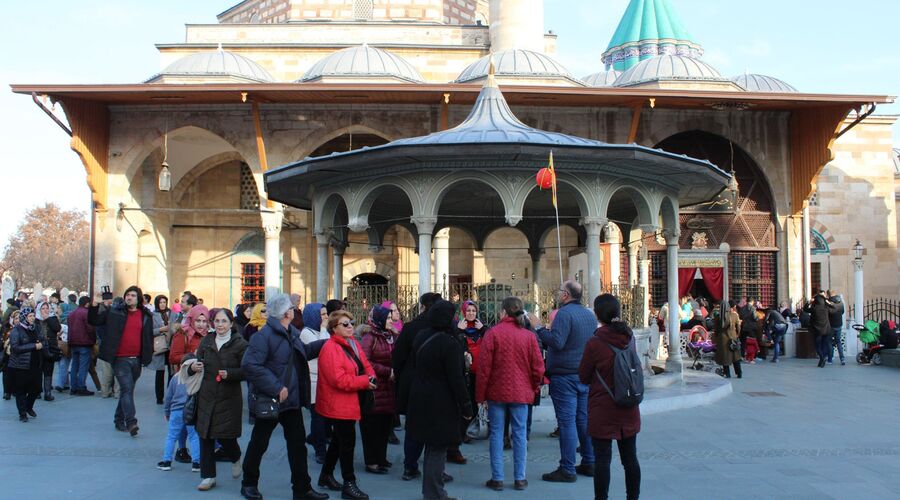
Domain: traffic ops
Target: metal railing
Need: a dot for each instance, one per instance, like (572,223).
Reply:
(488,297)
(879,309)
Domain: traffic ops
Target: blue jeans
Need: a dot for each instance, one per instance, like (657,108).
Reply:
(836,342)
(81,361)
(62,372)
(518,413)
(176,428)
(127,371)
(778,331)
(317,433)
(569,397)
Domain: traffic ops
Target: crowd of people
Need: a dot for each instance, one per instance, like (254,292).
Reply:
(747,331)
(438,371)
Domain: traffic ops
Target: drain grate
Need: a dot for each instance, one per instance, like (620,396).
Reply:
(765,394)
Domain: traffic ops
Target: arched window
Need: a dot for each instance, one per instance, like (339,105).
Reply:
(819,244)
(249,193)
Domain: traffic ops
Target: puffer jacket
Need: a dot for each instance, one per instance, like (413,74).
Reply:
(606,419)
(21,347)
(510,366)
(378,345)
(277,358)
(339,380)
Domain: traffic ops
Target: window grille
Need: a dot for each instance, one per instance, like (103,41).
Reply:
(658,279)
(752,275)
(249,194)
(362,9)
(253,282)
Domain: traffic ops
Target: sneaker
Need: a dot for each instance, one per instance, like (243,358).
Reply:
(237,468)
(585,470)
(494,485)
(164,465)
(559,476)
(133,430)
(410,474)
(843,362)
(207,484)
(182,456)
(195,467)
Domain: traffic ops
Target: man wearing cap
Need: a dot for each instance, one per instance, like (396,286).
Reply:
(127,346)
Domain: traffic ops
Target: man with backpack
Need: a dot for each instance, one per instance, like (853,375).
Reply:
(564,340)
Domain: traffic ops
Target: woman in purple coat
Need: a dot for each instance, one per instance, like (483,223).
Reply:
(375,426)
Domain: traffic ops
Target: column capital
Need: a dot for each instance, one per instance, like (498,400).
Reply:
(443,234)
(358,224)
(339,246)
(323,238)
(594,225)
(671,236)
(424,224)
(536,253)
(271,223)
(513,220)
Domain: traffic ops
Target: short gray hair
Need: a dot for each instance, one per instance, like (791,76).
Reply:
(574,289)
(278,305)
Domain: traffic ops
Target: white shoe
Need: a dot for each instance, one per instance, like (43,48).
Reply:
(207,484)
(237,469)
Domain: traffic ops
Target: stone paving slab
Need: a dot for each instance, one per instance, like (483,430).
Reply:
(831,435)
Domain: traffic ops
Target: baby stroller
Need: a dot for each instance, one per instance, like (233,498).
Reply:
(700,349)
(870,336)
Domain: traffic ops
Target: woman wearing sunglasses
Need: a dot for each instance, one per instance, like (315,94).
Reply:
(344,371)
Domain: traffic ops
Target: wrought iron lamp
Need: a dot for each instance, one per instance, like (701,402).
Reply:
(165,177)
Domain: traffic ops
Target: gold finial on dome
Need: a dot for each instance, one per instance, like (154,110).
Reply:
(490,82)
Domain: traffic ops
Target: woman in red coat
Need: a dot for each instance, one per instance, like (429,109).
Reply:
(188,339)
(344,371)
(376,426)
(607,420)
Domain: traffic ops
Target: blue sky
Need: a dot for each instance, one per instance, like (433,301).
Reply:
(816,45)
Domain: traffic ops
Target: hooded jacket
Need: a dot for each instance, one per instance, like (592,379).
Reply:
(606,419)
(378,344)
(312,317)
(836,312)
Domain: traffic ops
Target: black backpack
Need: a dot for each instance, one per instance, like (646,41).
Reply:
(628,377)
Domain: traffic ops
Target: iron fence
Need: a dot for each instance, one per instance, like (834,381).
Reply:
(879,309)
(488,297)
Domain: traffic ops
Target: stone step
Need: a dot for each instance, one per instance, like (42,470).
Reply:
(890,357)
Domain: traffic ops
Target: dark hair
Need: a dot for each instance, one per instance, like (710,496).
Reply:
(608,310)
(83,301)
(72,297)
(158,299)
(191,299)
(147,298)
(56,294)
(11,301)
(514,308)
(228,314)
(428,299)
(334,305)
(134,288)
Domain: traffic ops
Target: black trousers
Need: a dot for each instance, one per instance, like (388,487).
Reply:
(7,381)
(433,472)
(376,429)
(628,455)
(230,450)
(737,370)
(343,442)
(292,424)
(160,385)
(26,385)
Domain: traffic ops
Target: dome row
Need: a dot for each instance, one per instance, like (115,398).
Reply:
(368,62)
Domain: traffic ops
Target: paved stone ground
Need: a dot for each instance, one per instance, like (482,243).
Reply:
(788,431)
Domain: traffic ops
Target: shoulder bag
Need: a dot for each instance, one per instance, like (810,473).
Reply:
(366,396)
(266,407)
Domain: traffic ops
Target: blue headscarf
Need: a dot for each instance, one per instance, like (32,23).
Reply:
(312,316)
(23,314)
(379,317)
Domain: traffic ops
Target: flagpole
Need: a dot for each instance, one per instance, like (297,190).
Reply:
(556,211)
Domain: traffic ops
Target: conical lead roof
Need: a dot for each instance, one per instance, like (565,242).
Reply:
(648,28)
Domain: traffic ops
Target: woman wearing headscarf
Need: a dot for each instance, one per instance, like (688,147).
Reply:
(187,341)
(242,317)
(219,400)
(469,331)
(375,426)
(13,322)
(48,327)
(257,321)
(161,315)
(314,318)
(394,322)
(25,346)
(607,421)
(438,398)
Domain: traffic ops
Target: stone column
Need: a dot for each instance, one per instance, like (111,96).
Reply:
(322,267)
(644,282)
(633,263)
(674,363)
(338,249)
(271,222)
(442,260)
(807,275)
(614,238)
(425,228)
(593,226)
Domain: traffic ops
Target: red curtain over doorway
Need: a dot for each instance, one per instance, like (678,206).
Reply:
(685,280)
(714,278)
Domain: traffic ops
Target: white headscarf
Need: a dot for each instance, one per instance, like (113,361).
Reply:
(37,311)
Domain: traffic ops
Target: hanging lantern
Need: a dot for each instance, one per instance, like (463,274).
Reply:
(165,178)
(545,178)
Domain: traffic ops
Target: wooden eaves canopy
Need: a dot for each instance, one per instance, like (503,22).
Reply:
(816,119)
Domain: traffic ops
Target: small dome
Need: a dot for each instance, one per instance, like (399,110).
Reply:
(363,62)
(668,67)
(217,63)
(763,83)
(602,79)
(516,63)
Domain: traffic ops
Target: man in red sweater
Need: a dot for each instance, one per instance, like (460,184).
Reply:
(127,345)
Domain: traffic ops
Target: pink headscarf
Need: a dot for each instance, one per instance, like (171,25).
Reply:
(198,310)
(398,325)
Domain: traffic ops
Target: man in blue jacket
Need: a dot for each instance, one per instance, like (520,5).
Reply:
(276,365)
(564,341)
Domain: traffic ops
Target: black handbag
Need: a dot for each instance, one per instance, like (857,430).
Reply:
(266,407)
(189,413)
(366,396)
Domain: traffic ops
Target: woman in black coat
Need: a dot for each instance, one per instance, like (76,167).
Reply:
(220,401)
(47,324)
(25,359)
(438,396)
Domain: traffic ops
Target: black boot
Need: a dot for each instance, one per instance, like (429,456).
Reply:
(48,388)
(328,481)
(352,492)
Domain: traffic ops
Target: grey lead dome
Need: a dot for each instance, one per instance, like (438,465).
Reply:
(363,61)
(763,83)
(668,67)
(217,63)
